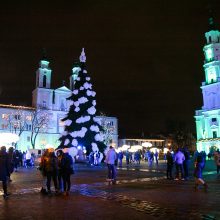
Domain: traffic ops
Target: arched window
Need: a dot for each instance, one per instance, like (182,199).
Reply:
(44,81)
(210,39)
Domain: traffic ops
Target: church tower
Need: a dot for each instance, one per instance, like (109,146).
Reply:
(42,95)
(208,118)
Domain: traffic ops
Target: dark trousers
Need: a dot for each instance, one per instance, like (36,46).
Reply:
(179,169)
(169,171)
(4,186)
(66,181)
(111,171)
(60,185)
(186,168)
(51,175)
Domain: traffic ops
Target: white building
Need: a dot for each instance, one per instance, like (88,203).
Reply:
(208,118)
(49,106)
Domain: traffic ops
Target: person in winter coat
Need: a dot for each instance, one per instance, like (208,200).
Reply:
(120,158)
(199,166)
(169,158)
(16,160)
(11,162)
(178,159)
(50,167)
(66,171)
(4,169)
(186,163)
(110,161)
(42,170)
(59,174)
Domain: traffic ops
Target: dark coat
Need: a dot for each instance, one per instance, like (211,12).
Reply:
(67,164)
(49,164)
(4,166)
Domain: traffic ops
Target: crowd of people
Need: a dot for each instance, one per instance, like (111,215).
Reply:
(10,161)
(58,166)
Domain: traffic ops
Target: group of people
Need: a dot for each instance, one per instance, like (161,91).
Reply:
(9,162)
(57,167)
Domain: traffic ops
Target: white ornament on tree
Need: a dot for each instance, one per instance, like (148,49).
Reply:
(82,100)
(68,122)
(67,141)
(91,110)
(82,119)
(94,128)
(75,91)
(76,109)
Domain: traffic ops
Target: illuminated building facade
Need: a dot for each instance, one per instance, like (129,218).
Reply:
(208,118)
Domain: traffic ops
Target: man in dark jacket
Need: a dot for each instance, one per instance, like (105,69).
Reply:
(4,169)
(169,158)
(66,171)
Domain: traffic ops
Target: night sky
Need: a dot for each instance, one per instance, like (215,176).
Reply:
(145,57)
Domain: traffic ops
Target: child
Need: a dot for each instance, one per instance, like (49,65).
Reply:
(199,166)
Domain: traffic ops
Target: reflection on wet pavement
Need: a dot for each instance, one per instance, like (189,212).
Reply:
(150,208)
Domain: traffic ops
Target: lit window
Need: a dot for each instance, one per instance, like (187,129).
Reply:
(5,116)
(28,117)
(214,133)
(44,104)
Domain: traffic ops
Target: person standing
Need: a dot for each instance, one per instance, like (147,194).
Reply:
(217,160)
(156,157)
(50,167)
(66,171)
(178,159)
(120,158)
(4,170)
(186,163)
(43,172)
(110,161)
(169,158)
(199,166)
(11,162)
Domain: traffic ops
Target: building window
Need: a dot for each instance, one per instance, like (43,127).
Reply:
(214,119)
(44,81)
(214,133)
(17,117)
(28,117)
(28,138)
(44,104)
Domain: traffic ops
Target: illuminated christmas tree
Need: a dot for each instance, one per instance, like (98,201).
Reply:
(82,128)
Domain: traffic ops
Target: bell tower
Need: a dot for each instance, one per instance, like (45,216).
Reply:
(43,73)
(208,118)
(43,94)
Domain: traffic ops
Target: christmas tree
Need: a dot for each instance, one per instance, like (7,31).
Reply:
(82,128)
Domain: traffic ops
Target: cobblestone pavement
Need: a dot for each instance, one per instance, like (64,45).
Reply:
(140,193)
